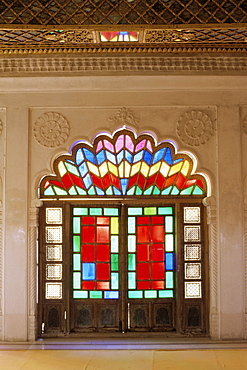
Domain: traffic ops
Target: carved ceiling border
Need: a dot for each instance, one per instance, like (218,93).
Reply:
(122,64)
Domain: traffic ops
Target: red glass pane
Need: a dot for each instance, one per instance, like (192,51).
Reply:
(106,181)
(87,220)
(158,284)
(180,181)
(157,252)
(143,252)
(103,253)
(141,181)
(103,234)
(88,234)
(132,181)
(200,183)
(142,220)
(151,180)
(88,285)
(103,271)
(157,233)
(158,270)
(67,181)
(143,285)
(160,181)
(142,234)
(170,181)
(143,271)
(87,253)
(115,181)
(77,180)
(102,285)
(189,183)
(96,180)
(157,220)
(102,220)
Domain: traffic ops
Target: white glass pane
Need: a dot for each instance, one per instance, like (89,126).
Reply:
(192,215)
(53,215)
(54,253)
(192,252)
(53,290)
(193,290)
(192,233)
(192,271)
(54,272)
(53,234)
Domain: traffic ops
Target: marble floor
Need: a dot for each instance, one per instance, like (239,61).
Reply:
(121,354)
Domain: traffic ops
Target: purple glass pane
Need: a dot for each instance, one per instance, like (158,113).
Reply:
(119,143)
(141,145)
(99,146)
(149,146)
(129,143)
(109,146)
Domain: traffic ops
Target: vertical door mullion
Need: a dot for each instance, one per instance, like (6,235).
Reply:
(123,265)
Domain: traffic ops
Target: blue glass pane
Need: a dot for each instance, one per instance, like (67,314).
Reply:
(138,156)
(147,157)
(178,160)
(159,155)
(89,155)
(111,295)
(111,157)
(124,184)
(116,191)
(88,271)
(99,191)
(87,181)
(120,156)
(79,156)
(128,156)
(168,156)
(83,169)
(100,157)
(169,261)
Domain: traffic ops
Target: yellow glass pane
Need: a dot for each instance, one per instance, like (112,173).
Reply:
(62,169)
(185,168)
(155,168)
(113,169)
(114,225)
(165,168)
(121,170)
(127,168)
(175,169)
(92,168)
(145,169)
(103,169)
(135,168)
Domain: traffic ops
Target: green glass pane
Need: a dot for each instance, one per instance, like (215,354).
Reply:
(80,191)
(138,191)
(49,191)
(166,191)
(165,210)
(93,294)
(148,191)
(150,293)
(114,225)
(169,243)
(114,244)
(134,211)
(95,211)
(132,280)
(131,191)
(59,191)
(91,191)
(156,191)
(114,262)
(109,191)
(114,280)
(175,191)
(72,191)
(169,280)
(76,262)
(150,211)
(131,262)
(76,280)
(76,243)
(131,243)
(197,191)
(80,211)
(187,191)
(169,224)
(110,211)
(80,294)
(72,169)
(165,293)
(131,225)
(76,225)
(137,294)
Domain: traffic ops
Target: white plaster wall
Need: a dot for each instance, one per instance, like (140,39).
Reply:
(156,102)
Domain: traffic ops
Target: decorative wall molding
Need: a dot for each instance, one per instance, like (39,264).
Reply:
(123,117)
(1,272)
(194,128)
(74,36)
(158,36)
(51,129)
(210,203)
(1,127)
(245,264)
(127,64)
(245,124)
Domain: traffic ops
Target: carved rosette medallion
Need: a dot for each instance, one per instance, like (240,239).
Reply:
(194,128)
(51,129)
(124,116)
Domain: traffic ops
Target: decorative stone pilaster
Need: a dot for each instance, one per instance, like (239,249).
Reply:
(210,203)
(33,237)
(1,271)
(245,264)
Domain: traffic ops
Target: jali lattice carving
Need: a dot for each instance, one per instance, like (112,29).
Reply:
(194,128)
(51,129)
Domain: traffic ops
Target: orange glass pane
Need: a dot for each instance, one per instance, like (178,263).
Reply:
(143,234)
(102,285)
(158,284)
(157,233)
(102,220)
(103,234)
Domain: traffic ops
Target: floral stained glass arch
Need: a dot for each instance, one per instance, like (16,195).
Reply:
(122,166)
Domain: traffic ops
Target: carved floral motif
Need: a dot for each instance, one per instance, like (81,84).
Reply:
(194,128)
(75,37)
(124,116)
(51,129)
(167,36)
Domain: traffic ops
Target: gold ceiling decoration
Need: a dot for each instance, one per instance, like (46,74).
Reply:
(40,25)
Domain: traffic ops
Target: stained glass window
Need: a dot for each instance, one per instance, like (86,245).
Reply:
(95,252)
(125,165)
(118,36)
